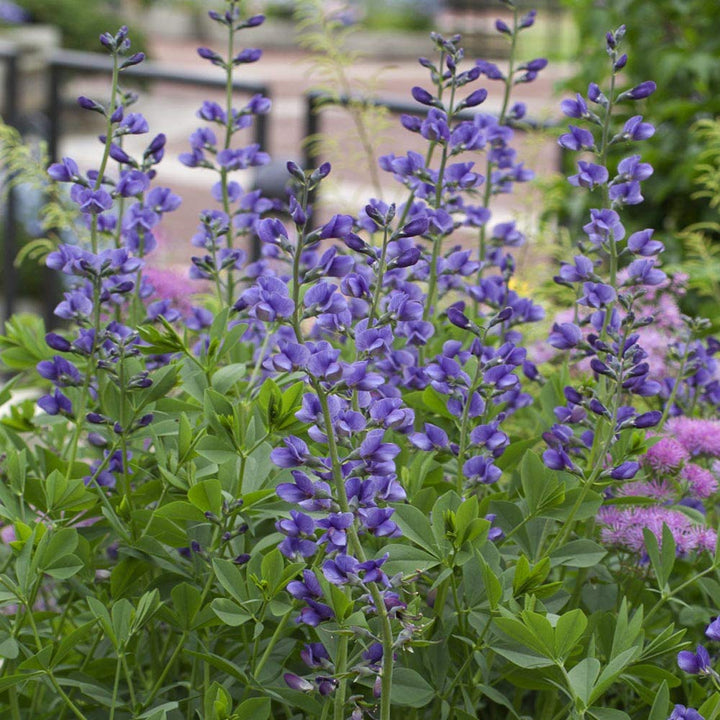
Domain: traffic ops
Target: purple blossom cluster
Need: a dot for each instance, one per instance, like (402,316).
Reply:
(352,321)
(119,213)
(605,331)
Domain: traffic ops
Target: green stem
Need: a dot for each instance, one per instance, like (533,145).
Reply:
(224,173)
(464,430)
(380,275)
(501,119)
(340,669)
(116,687)
(357,548)
(166,669)
(273,641)
(678,589)
(73,707)
(676,385)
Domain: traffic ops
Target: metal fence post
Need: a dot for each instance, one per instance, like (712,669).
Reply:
(9,56)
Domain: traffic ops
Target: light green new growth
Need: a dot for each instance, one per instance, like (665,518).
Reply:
(702,252)
(326,38)
(23,165)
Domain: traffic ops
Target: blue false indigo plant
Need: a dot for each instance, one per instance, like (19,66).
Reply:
(333,482)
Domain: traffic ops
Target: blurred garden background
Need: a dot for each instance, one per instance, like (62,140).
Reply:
(369,49)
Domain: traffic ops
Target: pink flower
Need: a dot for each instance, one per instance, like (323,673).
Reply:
(666,456)
(657,490)
(698,437)
(701,482)
(170,285)
(624,528)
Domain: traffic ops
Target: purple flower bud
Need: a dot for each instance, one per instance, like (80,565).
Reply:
(249,55)
(423,96)
(648,419)
(643,90)
(476,98)
(457,317)
(594,92)
(625,471)
(87,104)
(528,19)
(295,682)
(620,62)
(57,342)
(502,27)
(135,59)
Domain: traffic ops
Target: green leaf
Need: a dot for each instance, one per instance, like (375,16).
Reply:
(578,554)
(569,628)
(529,661)
(216,449)
(206,496)
(11,680)
(436,402)
(230,577)
(407,560)
(9,647)
(710,709)
(660,707)
(588,507)
(582,678)
(601,713)
(493,586)
(227,376)
(541,488)
(415,526)
(179,510)
(612,671)
(65,567)
(541,629)
(71,641)
(667,552)
(229,612)
(253,709)
(220,663)
(187,601)
(410,689)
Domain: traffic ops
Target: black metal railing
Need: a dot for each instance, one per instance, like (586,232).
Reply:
(9,57)
(316,101)
(64,62)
